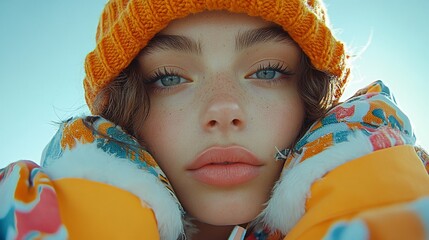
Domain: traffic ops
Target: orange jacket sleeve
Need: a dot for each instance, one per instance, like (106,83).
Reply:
(356,192)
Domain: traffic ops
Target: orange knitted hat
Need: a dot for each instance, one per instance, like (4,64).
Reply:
(126,26)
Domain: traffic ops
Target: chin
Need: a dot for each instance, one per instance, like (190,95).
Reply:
(229,215)
(225,206)
(227,220)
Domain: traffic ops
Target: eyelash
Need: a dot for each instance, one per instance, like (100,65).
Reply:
(161,73)
(278,67)
(164,72)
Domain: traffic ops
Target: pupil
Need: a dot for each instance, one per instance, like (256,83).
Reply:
(267,74)
(170,80)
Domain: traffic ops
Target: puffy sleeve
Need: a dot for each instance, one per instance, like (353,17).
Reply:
(399,221)
(356,171)
(35,206)
(29,203)
(95,182)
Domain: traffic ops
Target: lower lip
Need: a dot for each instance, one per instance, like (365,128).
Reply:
(225,175)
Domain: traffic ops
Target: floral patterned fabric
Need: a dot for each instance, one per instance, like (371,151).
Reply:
(28,204)
(371,111)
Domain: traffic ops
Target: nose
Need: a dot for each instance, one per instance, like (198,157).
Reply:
(223,114)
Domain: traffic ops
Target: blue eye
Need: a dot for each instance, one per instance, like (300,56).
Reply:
(267,74)
(271,72)
(170,80)
(164,78)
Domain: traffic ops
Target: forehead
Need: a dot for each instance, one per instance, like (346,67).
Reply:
(223,20)
(189,34)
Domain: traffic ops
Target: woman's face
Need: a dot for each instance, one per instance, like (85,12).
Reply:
(223,95)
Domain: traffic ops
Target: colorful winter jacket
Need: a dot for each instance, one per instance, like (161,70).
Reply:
(355,174)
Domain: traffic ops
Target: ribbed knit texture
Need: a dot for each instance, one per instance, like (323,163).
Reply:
(126,26)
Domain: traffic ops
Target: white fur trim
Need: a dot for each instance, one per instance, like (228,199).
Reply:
(89,162)
(287,204)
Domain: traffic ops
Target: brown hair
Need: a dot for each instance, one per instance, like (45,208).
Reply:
(317,91)
(128,101)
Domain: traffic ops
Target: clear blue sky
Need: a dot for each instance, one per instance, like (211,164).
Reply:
(43,45)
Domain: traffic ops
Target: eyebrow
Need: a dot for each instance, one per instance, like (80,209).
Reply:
(252,37)
(172,42)
(243,40)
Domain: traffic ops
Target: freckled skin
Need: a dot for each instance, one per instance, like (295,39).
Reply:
(218,105)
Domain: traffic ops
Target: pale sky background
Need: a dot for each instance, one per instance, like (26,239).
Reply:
(43,44)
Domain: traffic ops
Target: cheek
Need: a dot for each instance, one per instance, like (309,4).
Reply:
(288,114)
(280,116)
(163,131)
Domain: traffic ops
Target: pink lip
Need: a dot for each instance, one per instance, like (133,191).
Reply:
(224,167)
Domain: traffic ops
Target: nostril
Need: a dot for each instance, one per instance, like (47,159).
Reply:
(236,122)
(212,123)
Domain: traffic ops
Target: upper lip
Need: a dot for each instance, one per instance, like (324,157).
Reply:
(224,155)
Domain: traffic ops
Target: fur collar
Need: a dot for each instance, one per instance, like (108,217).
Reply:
(87,161)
